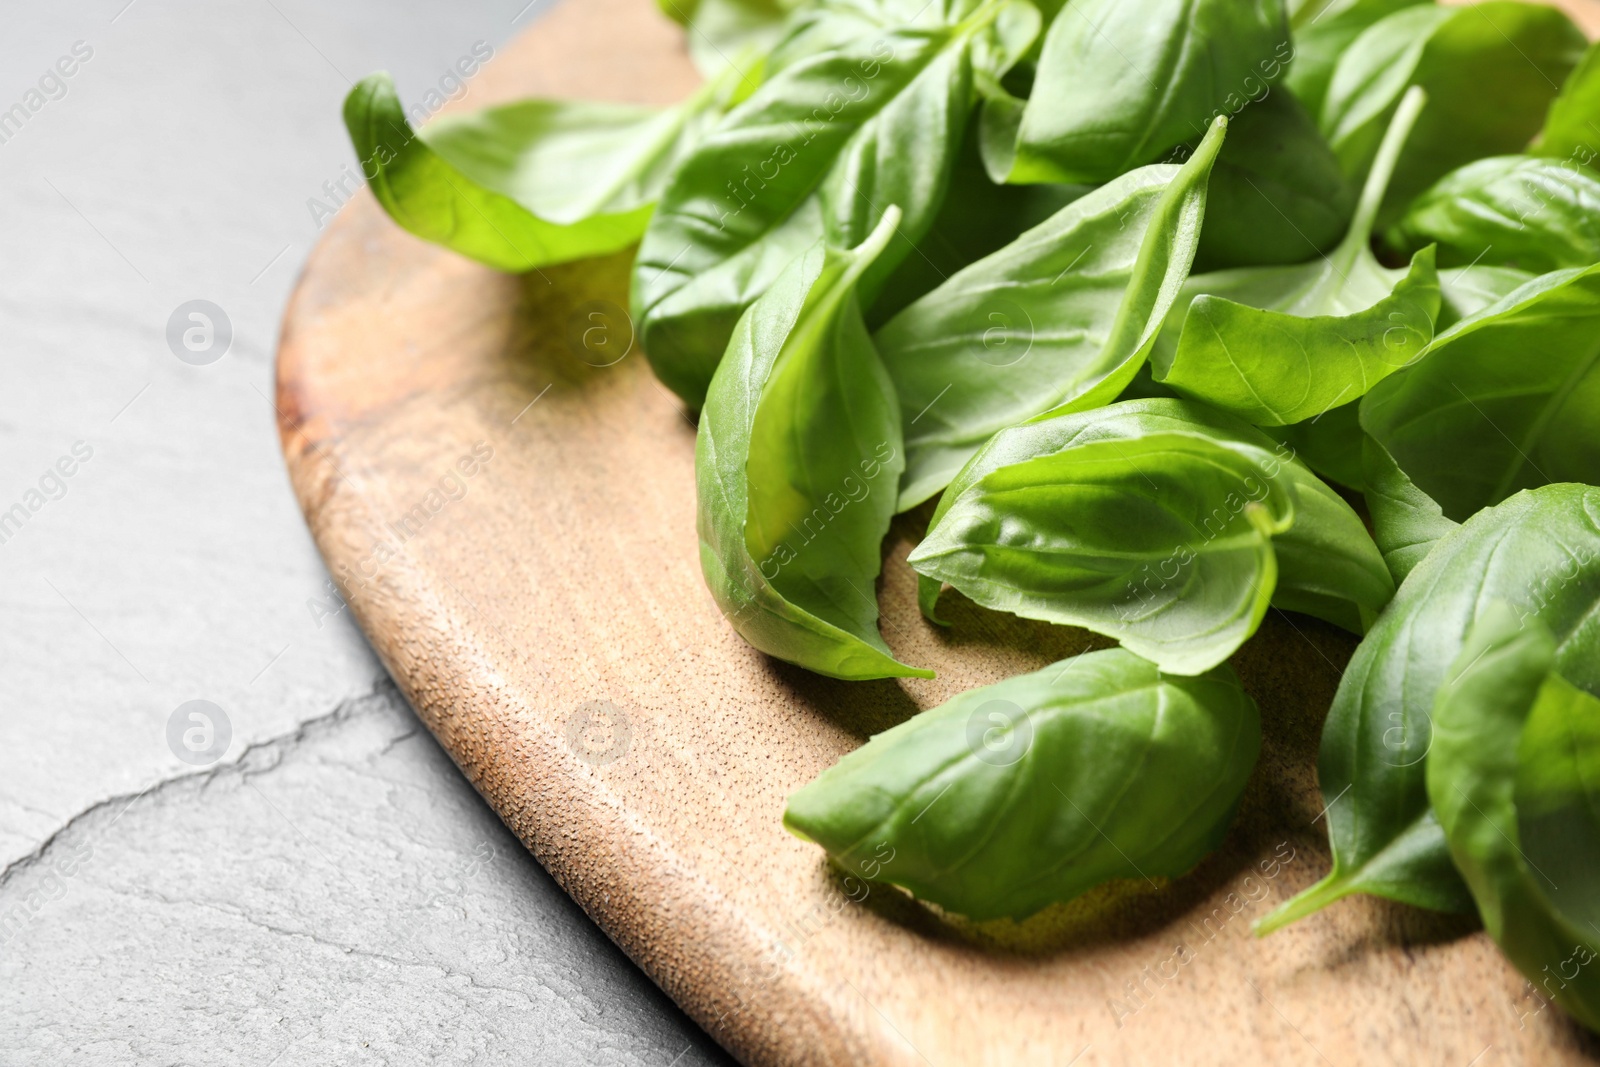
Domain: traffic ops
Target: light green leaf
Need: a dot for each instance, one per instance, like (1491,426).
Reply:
(1406,522)
(1572,126)
(1061,317)
(529,184)
(1517,211)
(1505,53)
(796,465)
(1322,32)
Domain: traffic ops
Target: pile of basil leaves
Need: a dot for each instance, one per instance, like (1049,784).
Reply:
(1144,293)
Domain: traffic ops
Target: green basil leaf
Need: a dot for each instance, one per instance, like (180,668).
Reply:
(820,149)
(1519,211)
(796,465)
(1570,127)
(1322,31)
(1505,400)
(529,184)
(728,33)
(1121,84)
(1277,193)
(1160,523)
(1539,551)
(1406,522)
(1465,291)
(1330,329)
(1511,53)
(1062,316)
(1329,444)
(1514,775)
(1021,794)
(977,219)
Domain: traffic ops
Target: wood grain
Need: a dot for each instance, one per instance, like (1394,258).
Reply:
(557,589)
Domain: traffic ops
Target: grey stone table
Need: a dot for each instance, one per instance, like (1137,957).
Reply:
(299,875)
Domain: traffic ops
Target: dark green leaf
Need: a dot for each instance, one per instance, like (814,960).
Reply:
(1021,794)
(1540,552)
(1406,522)
(796,465)
(1490,70)
(1062,316)
(1121,84)
(1295,343)
(528,184)
(821,149)
(1516,211)
(1506,400)
(1277,194)
(1329,444)
(1160,523)
(1515,778)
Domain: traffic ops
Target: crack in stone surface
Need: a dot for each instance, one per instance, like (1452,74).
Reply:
(240,765)
(331,895)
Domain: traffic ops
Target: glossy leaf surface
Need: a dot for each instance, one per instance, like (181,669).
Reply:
(1021,794)
(1121,84)
(1277,347)
(1160,523)
(1512,54)
(528,184)
(1539,552)
(1062,316)
(1533,214)
(1508,399)
(1515,778)
(796,465)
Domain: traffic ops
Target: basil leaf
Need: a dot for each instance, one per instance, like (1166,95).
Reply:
(1505,400)
(1465,291)
(1160,523)
(1061,317)
(820,149)
(1517,211)
(977,219)
(1329,444)
(1406,522)
(1539,551)
(796,465)
(726,33)
(1505,51)
(1277,192)
(1569,129)
(1515,778)
(1327,332)
(529,184)
(1322,31)
(1121,84)
(1021,794)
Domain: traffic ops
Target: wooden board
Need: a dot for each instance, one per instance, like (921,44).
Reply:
(514,530)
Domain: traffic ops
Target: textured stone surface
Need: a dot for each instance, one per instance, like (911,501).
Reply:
(336,893)
(339,895)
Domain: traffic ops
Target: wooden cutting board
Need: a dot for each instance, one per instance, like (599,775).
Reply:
(513,526)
